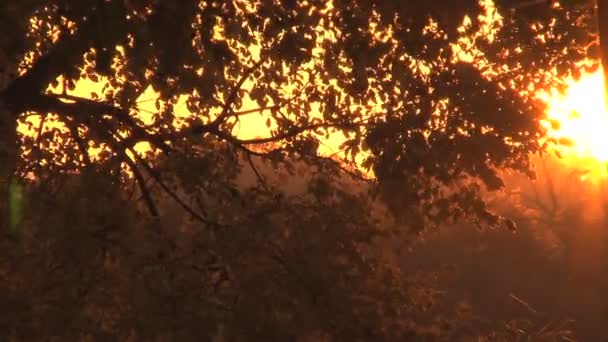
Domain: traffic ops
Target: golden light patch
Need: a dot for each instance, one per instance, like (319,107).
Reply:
(577,122)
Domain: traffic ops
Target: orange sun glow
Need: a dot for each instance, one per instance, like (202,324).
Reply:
(578,120)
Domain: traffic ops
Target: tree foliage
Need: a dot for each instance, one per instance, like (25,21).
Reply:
(383,73)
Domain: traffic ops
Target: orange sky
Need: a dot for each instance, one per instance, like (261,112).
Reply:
(581,121)
(580,111)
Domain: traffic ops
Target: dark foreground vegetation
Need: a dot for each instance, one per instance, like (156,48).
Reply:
(152,219)
(303,261)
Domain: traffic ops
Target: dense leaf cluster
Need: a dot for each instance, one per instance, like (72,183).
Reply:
(383,73)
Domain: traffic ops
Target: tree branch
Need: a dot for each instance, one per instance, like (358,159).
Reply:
(172,194)
(298,130)
(87,111)
(227,110)
(530,3)
(60,59)
(142,186)
(82,146)
(261,179)
(256,110)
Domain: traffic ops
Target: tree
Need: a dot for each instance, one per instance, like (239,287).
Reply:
(433,125)
(293,57)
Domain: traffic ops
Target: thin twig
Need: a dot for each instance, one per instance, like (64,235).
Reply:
(79,142)
(171,193)
(40,129)
(227,110)
(528,4)
(551,185)
(261,180)
(82,106)
(257,110)
(142,186)
(522,302)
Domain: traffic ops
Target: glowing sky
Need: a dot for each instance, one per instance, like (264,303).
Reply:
(578,118)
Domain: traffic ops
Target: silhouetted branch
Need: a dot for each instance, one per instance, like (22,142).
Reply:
(551,187)
(89,113)
(227,110)
(257,110)
(60,59)
(523,303)
(96,108)
(277,255)
(145,192)
(525,4)
(40,129)
(82,145)
(261,179)
(355,173)
(298,130)
(171,193)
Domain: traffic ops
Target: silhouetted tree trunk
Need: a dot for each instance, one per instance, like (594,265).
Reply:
(8,161)
(14,18)
(27,92)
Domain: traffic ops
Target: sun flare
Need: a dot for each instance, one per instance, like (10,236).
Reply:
(577,122)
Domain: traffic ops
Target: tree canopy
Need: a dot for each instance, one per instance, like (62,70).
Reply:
(433,98)
(382,73)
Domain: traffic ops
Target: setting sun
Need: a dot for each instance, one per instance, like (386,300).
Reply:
(577,120)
